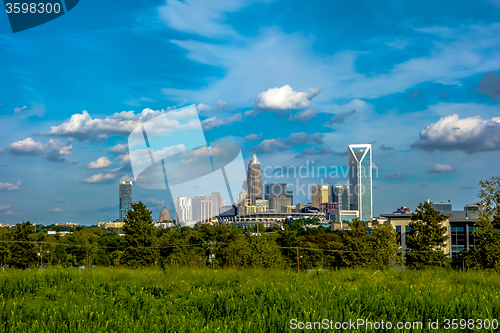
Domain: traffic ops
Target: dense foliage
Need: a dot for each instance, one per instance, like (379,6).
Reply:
(204,300)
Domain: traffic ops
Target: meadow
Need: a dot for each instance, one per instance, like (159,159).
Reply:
(254,300)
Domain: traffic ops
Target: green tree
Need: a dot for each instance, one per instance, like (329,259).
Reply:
(426,239)
(386,248)
(357,246)
(23,252)
(140,237)
(486,252)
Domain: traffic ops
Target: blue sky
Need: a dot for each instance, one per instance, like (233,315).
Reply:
(293,82)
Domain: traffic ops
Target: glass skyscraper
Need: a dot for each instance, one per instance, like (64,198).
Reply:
(125,199)
(360,180)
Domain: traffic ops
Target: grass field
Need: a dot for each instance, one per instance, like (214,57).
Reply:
(201,300)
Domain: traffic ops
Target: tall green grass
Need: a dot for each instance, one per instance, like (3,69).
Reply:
(201,300)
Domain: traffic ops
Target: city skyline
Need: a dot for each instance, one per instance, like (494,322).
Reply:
(421,86)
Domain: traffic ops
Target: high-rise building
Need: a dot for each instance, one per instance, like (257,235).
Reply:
(202,209)
(183,209)
(125,199)
(164,215)
(360,180)
(290,195)
(275,190)
(320,195)
(254,180)
(340,195)
(217,202)
(277,203)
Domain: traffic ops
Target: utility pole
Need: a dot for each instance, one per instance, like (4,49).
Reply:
(298,266)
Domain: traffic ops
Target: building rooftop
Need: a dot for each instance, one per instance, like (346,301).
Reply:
(254,160)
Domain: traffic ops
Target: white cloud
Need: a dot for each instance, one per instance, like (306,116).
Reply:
(441,168)
(270,145)
(251,137)
(5,207)
(83,127)
(124,158)
(10,187)
(202,107)
(139,101)
(119,148)
(251,113)
(395,175)
(471,134)
(101,162)
(233,118)
(100,177)
(220,105)
(57,210)
(200,17)
(285,98)
(18,110)
(210,123)
(53,150)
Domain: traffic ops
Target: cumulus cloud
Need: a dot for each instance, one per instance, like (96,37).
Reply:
(304,116)
(57,210)
(251,113)
(100,177)
(18,110)
(490,85)
(101,162)
(54,150)
(384,147)
(470,134)
(202,107)
(84,127)
(270,145)
(285,98)
(395,175)
(441,168)
(10,187)
(220,105)
(119,148)
(124,158)
(253,136)
(210,123)
(281,144)
(303,138)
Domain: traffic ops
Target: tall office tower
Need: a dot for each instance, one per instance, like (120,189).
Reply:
(275,190)
(202,209)
(360,180)
(125,199)
(254,180)
(164,215)
(277,203)
(289,194)
(241,196)
(217,202)
(320,195)
(183,209)
(340,195)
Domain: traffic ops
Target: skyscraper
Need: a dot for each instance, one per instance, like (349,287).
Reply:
(217,202)
(320,195)
(164,215)
(275,190)
(254,180)
(125,199)
(340,194)
(202,209)
(360,180)
(183,209)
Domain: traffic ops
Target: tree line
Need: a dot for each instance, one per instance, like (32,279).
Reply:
(279,246)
